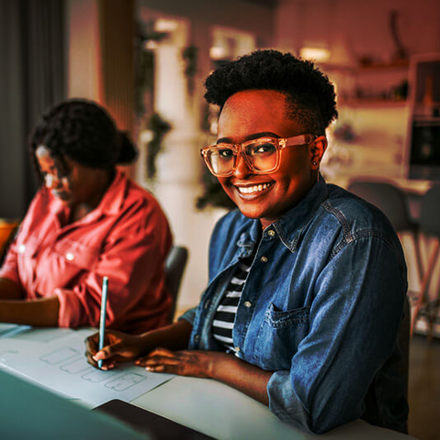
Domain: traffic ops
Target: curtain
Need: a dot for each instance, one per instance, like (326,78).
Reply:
(32,79)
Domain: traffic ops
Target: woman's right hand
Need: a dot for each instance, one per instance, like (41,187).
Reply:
(118,347)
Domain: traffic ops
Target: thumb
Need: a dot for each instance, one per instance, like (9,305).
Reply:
(108,351)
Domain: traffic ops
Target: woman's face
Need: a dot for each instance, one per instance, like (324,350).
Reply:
(252,114)
(70,181)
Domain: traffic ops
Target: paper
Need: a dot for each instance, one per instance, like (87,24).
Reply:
(59,364)
(7,329)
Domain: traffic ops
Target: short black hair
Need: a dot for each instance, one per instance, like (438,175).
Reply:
(309,93)
(83,131)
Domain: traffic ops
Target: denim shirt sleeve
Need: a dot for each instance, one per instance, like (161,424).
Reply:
(189,315)
(354,320)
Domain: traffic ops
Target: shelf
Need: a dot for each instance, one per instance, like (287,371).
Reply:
(372,103)
(422,121)
(366,68)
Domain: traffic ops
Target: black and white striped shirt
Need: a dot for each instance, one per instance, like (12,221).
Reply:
(225,315)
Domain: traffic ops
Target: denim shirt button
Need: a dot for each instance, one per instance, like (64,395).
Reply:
(247,304)
(271,233)
(196,338)
(237,349)
(264,259)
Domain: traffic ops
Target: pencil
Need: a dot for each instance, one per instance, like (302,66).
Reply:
(103,316)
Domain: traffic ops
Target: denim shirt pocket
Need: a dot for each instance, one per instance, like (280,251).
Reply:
(279,336)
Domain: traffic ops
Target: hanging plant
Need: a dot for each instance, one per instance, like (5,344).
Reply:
(159,128)
(213,194)
(190,57)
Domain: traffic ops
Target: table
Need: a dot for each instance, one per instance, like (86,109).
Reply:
(225,413)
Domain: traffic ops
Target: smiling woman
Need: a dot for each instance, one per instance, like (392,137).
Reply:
(87,221)
(307,281)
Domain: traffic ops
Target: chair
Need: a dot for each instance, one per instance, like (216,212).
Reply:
(8,229)
(403,338)
(389,199)
(393,203)
(429,226)
(174,268)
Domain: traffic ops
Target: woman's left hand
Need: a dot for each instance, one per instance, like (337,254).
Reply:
(196,363)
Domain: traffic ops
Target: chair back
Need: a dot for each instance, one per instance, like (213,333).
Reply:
(8,228)
(174,269)
(388,198)
(430,212)
(403,338)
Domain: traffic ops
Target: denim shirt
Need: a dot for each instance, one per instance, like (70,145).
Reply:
(321,308)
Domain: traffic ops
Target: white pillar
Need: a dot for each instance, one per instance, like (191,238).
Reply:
(179,165)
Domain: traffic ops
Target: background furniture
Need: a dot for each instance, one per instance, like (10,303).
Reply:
(7,232)
(392,201)
(429,226)
(174,269)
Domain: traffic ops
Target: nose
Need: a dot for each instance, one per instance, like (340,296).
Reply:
(241,168)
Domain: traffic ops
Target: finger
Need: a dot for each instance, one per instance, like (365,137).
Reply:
(109,351)
(161,352)
(163,368)
(105,366)
(158,360)
(92,344)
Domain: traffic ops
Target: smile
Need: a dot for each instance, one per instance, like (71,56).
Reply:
(254,189)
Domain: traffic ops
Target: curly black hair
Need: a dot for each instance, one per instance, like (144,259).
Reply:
(310,95)
(82,131)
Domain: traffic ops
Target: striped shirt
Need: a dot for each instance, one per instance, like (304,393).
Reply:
(224,317)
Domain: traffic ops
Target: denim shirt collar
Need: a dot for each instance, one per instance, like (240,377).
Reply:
(290,226)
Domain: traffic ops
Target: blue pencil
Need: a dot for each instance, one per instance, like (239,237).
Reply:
(103,316)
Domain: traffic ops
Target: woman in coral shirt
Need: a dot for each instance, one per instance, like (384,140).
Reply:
(88,221)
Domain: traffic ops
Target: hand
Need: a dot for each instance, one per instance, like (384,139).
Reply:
(196,363)
(118,347)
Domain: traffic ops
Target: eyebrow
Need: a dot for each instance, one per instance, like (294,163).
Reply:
(250,137)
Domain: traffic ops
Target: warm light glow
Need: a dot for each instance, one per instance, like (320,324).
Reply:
(315,53)
(217,53)
(164,25)
(150,45)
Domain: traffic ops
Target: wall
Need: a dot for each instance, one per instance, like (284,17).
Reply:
(236,14)
(177,184)
(85,76)
(362,26)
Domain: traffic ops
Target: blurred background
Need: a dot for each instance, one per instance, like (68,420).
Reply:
(146,60)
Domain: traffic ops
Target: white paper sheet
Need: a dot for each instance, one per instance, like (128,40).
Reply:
(59,363)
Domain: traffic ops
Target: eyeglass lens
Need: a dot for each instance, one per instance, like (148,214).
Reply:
(260,156)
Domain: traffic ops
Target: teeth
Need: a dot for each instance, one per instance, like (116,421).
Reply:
(253,189)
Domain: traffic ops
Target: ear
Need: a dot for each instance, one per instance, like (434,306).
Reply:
(317,150)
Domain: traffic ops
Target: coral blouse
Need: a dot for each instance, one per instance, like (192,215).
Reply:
(127,238)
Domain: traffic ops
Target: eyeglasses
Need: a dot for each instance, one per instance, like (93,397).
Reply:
(261,155)
(53,179)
